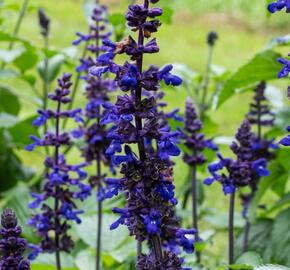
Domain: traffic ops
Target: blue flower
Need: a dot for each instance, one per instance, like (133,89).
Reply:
(69,213)
(279,5)
(153,222)
(286,69)
(39,198)
(169,79)
(35,251)
(260,166)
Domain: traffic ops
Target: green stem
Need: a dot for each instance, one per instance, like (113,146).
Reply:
(205,84)
(17,26)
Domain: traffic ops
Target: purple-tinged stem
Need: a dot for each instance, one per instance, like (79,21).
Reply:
(231,229)
(155,240)
(56,200)
(194,209)
(100,216)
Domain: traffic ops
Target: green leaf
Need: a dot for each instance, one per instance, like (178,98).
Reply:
(263,66)
(21,131)
(7,120)
(8,73)
(260,233)
(9,102)
(271,267)
(167,15)
(85,260)
(48,260)
(8,56)
(53,68)
(88,225)
(250,258)
(26,60)
(281,238)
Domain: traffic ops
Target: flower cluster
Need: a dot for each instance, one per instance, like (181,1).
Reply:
(63,182)
(260,115)
(241,171)
(278,5)
(97,92)
(146,179)
(12,246)
(194,139)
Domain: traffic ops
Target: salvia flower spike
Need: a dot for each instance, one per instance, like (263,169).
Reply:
(146,179)
(261,117)
(12,246)
(98,92)
(44,22)
(237,173)
(195,141)
(63,182)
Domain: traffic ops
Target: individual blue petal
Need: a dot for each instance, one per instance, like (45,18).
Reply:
(208,181)
(285,141)
(260,166)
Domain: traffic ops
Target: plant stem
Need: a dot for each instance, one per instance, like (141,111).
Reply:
(194,209)
(155,240)
(246,234)
(231,229)
(76,85)
(45,83)
(56,200)
(100,216)
(17,26)
(205,84)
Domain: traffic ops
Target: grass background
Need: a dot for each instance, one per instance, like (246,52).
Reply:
(243,27)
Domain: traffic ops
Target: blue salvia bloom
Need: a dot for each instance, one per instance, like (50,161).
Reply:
(63,182)
(98,92)
(238,172)
(194,138)
(260,116)
(146,179)
(12,246)
(279,5)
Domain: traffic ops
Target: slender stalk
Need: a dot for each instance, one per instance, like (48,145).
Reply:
(45,82)
(155,240)
(246,234)
(231,229)
(194,209)
(17,26)
(205,85)
(99,217)
(56,200)
(75,86)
